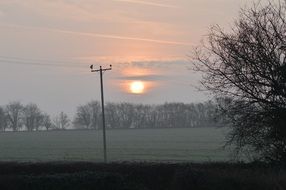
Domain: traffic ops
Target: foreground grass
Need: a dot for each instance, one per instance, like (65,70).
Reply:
(139,176)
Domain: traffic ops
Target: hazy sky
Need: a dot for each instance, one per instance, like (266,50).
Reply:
(46,47)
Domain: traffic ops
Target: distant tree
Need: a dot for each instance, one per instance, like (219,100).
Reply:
(247,66)
(95,113)
(112,117)
(3,119)
(127,115)
(144,116)
(47,123)
(14,112)
(87,116)
(61,122)
(83,117)
(33,117)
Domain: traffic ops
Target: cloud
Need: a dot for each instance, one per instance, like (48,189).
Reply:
(151,77)
(99,35)
(147,3)
(102,17)
(65,10)
(151,70)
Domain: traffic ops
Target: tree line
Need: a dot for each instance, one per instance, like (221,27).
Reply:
(18,117)
(128,115)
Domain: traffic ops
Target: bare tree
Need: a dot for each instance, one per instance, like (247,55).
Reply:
(95,109)
(127,115)
(87,116)
(14,111)
(33,117)
(61,122)
(83,117)
(248,66)
(47,123)
(112,117)
(3,119)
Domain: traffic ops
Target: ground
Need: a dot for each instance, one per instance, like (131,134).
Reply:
(171,144)
(140,176)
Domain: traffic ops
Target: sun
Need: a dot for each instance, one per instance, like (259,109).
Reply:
(137,87)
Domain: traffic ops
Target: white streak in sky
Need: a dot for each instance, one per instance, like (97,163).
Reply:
(98,35)
(147,3)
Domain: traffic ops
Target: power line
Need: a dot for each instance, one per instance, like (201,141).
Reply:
(35,64)
(38,62)
(29,59)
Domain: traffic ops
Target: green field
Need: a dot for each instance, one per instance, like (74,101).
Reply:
(194,144)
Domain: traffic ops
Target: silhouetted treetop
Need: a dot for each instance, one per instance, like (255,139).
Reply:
(248,66)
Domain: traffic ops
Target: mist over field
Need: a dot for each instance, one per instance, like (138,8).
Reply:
(174,132)
(142,94)
(160,145)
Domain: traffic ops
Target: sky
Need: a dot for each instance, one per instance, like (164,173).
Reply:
(46,47)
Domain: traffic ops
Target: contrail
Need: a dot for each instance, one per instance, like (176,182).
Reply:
(121,37)
(108,36)
(147,3)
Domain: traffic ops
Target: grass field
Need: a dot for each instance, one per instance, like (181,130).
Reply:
(194,144)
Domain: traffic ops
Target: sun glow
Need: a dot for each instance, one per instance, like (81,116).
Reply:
(137,87)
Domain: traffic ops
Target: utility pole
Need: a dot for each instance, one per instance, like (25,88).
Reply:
(101,70)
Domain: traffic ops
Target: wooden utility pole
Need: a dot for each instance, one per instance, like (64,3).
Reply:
(101,70)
